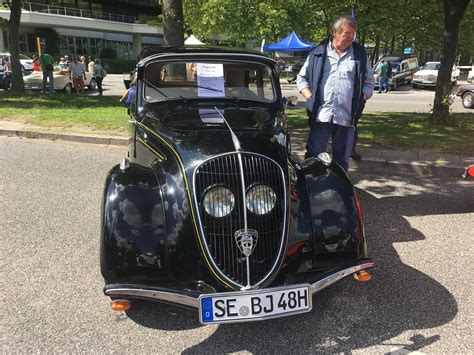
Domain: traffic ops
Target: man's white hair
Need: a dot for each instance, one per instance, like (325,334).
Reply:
(341,21)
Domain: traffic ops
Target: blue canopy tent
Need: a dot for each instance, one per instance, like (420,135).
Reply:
(291,43)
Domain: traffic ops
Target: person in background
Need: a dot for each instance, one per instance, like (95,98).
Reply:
(389,69)
(129,95)
(78,73)
(97,72)
(383,78)
(7,72)
(83,60)
(36,64)
(67,60)
(90,65)
(335,89)
(63,65)
(46,62)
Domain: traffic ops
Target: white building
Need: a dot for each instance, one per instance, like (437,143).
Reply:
(86,27)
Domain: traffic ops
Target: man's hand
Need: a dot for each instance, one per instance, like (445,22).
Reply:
(306,92)
(366,97)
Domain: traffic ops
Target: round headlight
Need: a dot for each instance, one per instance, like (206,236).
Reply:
(219,201)
(261,199)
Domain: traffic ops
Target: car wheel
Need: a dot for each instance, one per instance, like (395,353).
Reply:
(414,86)
(68,89)
(468,100)
(92,84)
(394,86)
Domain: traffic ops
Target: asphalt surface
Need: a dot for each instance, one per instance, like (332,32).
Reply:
(419,232)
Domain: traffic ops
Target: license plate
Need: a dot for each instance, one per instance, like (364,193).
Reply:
(244,306)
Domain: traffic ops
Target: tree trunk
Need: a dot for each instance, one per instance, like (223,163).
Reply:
(453,14)
(392,45)
(362,38)
(14,45)
(375,54)
(173,29)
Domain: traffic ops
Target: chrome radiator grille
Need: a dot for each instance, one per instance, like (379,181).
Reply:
(219,232)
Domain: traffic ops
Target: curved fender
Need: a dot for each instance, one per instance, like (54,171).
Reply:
(133,236)
(329,207)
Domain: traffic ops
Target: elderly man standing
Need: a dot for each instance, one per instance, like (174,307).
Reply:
(335,80)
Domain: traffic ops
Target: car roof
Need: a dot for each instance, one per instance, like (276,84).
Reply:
(396,58)
(159,51)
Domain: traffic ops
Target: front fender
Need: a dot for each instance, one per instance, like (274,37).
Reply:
(133,230)
(328,211)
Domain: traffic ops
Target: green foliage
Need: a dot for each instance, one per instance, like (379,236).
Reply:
(399,23)
(118,66)
(151,20)
(109,53)
(51,37)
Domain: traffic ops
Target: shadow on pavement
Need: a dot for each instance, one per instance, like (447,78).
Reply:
(348,315)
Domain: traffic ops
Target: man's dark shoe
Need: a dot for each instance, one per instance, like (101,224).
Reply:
(355,155)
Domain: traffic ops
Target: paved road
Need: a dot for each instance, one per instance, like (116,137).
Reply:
(406,99)
(419,232)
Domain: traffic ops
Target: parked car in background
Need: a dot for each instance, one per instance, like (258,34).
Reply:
(403,68)
(61,80)
(466,92)
(470,75)
(209,209)
(427,76)
(26,62)
(3,81)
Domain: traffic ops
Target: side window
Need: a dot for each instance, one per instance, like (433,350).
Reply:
(404,66)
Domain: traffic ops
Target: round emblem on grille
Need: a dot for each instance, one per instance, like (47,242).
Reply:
(244,311)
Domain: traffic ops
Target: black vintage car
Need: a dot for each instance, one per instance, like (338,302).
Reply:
(210,210)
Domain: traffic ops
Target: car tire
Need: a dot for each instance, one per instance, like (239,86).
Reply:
(68,89)
(394,85)
(468,100)
(414,86)
(92,84)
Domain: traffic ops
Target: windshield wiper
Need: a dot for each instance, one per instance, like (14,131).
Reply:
(208,88)
(155,87)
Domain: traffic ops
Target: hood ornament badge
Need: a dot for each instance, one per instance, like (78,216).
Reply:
(246,240)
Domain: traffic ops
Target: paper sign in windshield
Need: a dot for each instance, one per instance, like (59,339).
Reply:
(210,80)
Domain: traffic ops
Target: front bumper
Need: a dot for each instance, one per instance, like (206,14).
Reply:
(424,83)
(318,280)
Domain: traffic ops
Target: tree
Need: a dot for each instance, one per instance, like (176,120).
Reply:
(173,22)
(453,13)
(14,44)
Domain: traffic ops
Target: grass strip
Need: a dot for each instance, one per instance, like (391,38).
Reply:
(408,131)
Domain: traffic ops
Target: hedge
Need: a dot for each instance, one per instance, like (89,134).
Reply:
(118,66)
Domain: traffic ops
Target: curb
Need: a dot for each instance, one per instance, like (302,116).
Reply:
(366,166)
(65,137)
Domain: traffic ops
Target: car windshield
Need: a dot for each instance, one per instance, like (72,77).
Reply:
(208,79)
(22,56)
(431,66)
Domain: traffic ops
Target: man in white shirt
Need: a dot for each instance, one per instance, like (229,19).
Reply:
(336,80)
(77,71)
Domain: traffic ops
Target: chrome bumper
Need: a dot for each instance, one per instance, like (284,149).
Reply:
(189,298)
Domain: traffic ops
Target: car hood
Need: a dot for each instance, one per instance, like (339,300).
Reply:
(197,134)
(426,72)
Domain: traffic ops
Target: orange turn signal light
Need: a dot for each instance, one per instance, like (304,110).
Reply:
(120,305)
(362,276)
